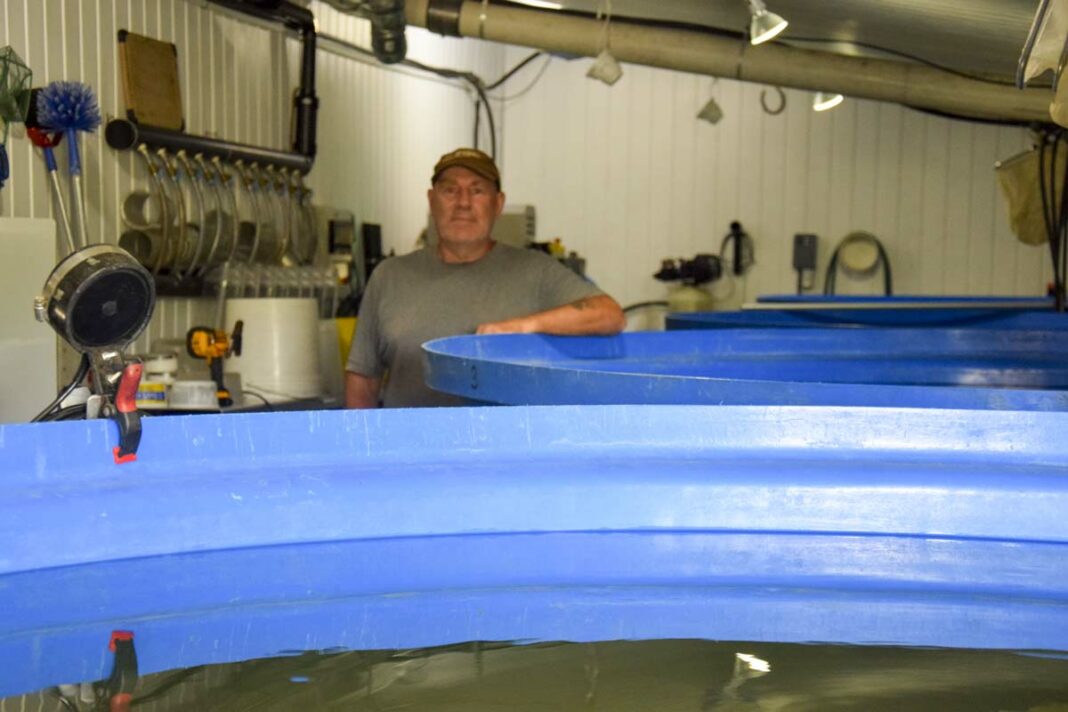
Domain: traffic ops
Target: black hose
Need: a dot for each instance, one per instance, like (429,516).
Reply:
(830,276)
(79,376)
(489,119)
(1055,217)
(71,412)
(511,72)
(1061,267)
(642,305)
(266,402)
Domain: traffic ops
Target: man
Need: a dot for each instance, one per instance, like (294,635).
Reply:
(465,284)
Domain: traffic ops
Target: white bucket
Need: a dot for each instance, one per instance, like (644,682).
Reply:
(279,348)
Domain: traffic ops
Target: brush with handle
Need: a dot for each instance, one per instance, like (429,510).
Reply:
(71,107)
(45,142)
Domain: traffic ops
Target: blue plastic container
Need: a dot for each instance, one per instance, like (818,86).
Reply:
(902,318)
(929,368)
(989,301)
(243,536)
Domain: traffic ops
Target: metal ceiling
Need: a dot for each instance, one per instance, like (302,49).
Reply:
(974,36)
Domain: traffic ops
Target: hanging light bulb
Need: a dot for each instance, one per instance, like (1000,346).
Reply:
(824,101)
(765,25)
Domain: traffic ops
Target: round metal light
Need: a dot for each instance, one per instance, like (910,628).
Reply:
(98,298)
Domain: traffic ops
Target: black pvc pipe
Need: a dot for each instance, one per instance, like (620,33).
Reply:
(123,135)
(305,103)
(387,30)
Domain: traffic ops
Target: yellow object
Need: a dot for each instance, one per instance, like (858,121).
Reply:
(346,328)
(214,345)
(151,394)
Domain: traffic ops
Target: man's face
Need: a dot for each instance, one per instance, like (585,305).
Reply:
(464,206)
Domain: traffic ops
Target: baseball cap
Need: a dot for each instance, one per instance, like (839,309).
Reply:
(473,160)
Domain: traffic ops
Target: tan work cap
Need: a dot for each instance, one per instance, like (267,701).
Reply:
(473,160)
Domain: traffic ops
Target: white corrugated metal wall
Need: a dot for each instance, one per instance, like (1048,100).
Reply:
(627,175)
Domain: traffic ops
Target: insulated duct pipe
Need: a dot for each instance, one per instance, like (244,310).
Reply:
(702,53)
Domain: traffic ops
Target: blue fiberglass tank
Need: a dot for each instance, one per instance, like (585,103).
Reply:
(963,318)
(244,536)
(931,368)
(1028,313)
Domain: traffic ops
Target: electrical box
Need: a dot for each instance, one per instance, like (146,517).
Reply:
(805,252)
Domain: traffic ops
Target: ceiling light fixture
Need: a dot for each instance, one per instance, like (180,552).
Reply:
(824,101)
(765,25)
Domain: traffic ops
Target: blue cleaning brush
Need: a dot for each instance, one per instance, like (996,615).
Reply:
(71,107)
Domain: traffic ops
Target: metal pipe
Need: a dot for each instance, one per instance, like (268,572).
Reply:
(305,103)
(719,56)
(123,135)
(387,30)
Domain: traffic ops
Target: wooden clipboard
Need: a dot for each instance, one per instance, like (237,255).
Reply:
(150,81)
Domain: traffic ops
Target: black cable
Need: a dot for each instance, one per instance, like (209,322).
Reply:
(533,82)
(257,395)
(473,79)
(1047,216)
(830,277)
(479,86)
(71,412)
(478,120)
(489,120)
(1056,210)
(888,280)
(67,704)
(168,683)
(1055,216)
(79,376)
(511,72)
(642,305)
(1060,213)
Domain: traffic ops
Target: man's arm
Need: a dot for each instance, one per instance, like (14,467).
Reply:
(599,314)
(361,391)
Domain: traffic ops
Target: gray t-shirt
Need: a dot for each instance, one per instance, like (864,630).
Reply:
(416,297)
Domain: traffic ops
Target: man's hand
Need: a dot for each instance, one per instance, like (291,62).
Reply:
(599,314)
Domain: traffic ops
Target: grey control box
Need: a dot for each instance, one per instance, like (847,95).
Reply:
(805,252)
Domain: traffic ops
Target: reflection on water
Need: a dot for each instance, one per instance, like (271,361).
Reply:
(662,675)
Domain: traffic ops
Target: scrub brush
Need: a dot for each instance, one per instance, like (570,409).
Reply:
(71,107)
